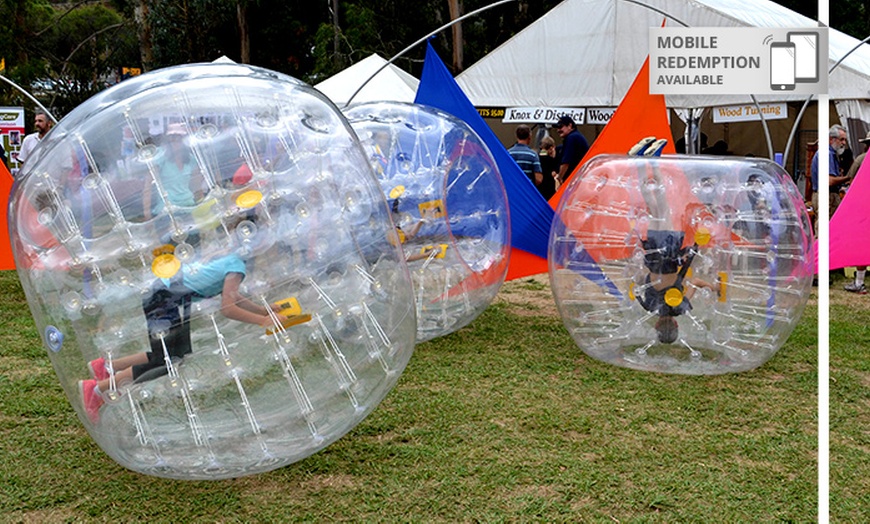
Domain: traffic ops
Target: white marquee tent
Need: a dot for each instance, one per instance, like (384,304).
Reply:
(586,53)
(391,83)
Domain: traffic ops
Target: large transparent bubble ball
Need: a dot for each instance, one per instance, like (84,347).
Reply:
(679,264)
(132,227)
(449,206)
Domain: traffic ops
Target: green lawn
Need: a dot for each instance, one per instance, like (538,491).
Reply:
(849,406)
(503,421)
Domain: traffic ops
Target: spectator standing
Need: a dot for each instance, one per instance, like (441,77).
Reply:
(856,163)
(574,146)
(836,146)
(41,125)
(857,286)
(525,156)
(549,167)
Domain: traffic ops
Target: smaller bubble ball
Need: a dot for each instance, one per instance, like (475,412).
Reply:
(448,204)
(681,264)
(209,244)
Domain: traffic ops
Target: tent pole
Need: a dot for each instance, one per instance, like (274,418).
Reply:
(403,51)
(760,114)
(28,95)
(659,11)
(766,129)
(807,101)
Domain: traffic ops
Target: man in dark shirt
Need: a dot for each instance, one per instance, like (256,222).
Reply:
(574,146)
(837,139)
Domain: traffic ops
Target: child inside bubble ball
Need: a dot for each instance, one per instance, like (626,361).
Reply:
(167,313)
(401,236)
(178,174)
(667,288)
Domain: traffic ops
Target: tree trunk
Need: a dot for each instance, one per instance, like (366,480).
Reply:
(244,34)
(189,30)
(336,38)
(146,45)
(455,7)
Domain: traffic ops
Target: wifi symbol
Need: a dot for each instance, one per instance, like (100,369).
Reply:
(768,39)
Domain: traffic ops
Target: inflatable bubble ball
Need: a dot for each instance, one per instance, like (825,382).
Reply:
(681,264)
(448,204)
(207,256)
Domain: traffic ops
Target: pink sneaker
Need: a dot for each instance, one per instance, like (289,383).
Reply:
(91,399)
(98,369)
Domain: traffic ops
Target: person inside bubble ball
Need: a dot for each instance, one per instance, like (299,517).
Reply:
(667,289)
(178,175)
(401,236)
(167,314)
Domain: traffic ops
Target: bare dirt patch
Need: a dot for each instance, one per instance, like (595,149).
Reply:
(529,296)
(838,296)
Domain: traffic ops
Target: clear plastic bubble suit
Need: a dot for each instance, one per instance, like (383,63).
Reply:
(681,264)
(449,204)
(143,188)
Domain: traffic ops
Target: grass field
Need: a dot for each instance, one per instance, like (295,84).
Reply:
(503,421)
(849,406)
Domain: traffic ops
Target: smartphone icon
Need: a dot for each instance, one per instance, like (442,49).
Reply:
(806,55)
(782,66)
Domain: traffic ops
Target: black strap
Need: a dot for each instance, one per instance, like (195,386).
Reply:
(686,263)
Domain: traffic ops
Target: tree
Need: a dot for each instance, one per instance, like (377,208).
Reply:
(86,47)
(64,53)
(455,10)
(20,42)
(244,32)
(142,17)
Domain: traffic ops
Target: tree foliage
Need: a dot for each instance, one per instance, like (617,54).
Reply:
(63,53)
(85,47)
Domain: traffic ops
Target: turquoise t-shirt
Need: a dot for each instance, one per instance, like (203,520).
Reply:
(207,279)
(176,183)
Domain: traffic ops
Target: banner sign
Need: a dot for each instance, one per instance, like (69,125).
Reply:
(11,134)
(599,115)
(542,115)
(491,112)
(749,113)
(11,118)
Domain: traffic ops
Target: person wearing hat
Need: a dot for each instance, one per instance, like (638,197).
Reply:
(857,286)
(574,146)
(178,174)
(856,164)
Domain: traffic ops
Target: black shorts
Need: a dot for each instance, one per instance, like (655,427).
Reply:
(167,312)
(664,251)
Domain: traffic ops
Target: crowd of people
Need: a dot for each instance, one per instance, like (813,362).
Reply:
(549,166)
(842,170)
